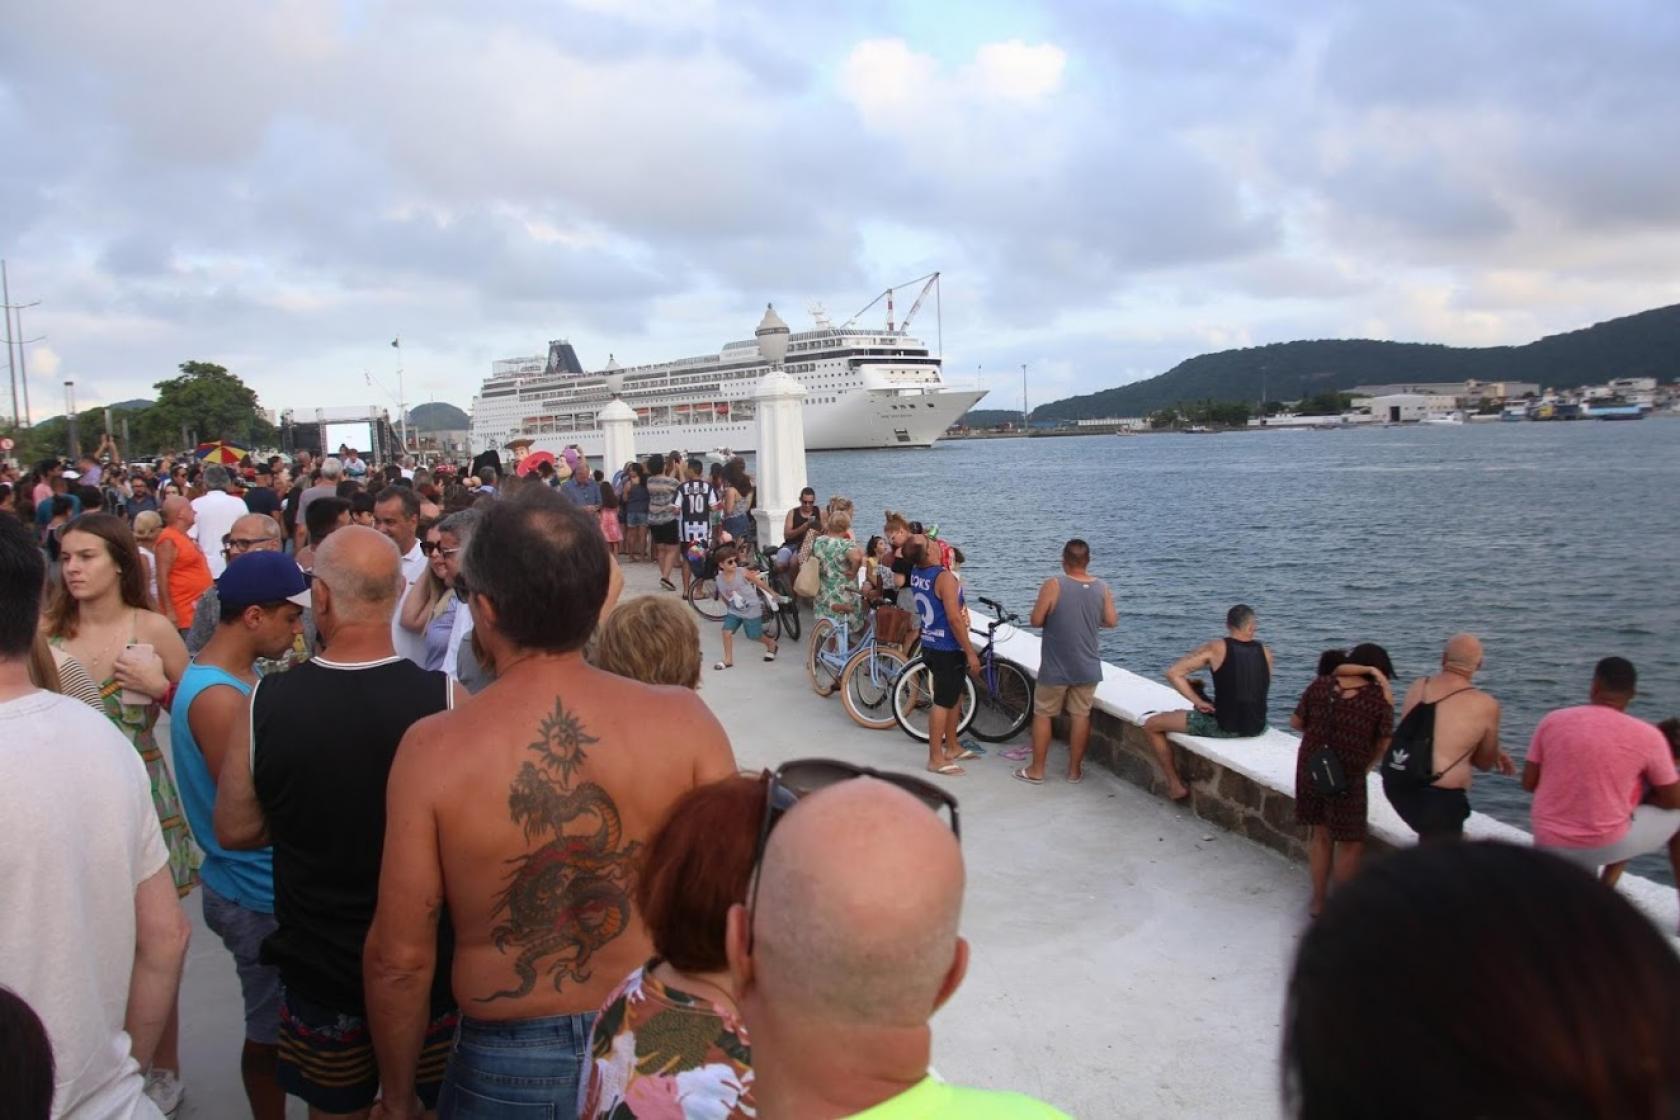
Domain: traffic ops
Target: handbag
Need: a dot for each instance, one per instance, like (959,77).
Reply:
(809,580)
(1324,766)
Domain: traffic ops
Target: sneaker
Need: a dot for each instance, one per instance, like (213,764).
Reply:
(164,1090)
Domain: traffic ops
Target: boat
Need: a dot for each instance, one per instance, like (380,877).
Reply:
(1452,418)
(1514,412)
(1613,411)
(866,387)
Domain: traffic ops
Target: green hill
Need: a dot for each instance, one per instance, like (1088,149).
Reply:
(1642,345)
(437,416)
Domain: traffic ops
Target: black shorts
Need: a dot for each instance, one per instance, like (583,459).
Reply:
(1432,812)
(664,534)
(947,667)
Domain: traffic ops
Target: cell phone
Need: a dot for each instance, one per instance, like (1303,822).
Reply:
(129,696)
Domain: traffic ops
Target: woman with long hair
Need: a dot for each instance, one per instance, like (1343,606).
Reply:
(103,615)
(636,512)
(737,500)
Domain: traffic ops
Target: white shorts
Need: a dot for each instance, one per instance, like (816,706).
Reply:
(1649,831)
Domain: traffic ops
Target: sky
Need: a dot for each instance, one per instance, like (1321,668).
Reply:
(1108,188)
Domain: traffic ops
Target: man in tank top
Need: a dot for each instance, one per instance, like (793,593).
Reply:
(527,809)
(259,615)
(1242,677)
(1071,608)
(308,774)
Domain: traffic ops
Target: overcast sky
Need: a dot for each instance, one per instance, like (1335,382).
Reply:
(1109,187)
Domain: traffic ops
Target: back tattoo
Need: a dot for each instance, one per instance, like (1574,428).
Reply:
(567,899)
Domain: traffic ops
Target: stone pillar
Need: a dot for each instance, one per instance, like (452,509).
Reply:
(780,402)
(618,437)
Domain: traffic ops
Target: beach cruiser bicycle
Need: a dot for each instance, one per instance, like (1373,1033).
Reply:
(864,671)
(703,597)
(994,706)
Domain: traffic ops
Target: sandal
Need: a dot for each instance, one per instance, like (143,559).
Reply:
(965,756)
(950,770)
(669,586)
(1021,775)
(722,665)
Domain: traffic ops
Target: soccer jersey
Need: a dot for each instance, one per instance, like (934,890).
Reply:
(695,499)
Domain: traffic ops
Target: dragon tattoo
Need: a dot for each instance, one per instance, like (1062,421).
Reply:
(571,896)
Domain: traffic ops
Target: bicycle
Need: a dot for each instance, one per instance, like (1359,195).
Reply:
(994,712)
(866,682)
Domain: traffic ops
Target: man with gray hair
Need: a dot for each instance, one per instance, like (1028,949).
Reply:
(331,472)
(216,512)
(849,948)
(310,781)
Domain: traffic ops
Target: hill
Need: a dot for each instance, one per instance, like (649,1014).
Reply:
(437,416)
(1642,345)
(135,405)
(991,417)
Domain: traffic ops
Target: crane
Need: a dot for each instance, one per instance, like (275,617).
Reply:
(932,279)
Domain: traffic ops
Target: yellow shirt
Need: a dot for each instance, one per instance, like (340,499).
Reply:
(935,1100)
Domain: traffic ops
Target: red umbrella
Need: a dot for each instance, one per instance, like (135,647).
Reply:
(220,452)
(531,462)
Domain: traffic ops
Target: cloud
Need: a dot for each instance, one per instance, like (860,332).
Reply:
(1108,188)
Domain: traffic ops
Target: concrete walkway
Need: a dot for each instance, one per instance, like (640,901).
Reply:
(1128,959)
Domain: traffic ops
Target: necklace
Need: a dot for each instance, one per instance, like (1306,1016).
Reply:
(110,646)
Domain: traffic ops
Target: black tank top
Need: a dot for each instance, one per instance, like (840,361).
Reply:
(1240,685)
(323,736)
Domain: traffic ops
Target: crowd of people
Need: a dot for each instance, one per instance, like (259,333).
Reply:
(474,844)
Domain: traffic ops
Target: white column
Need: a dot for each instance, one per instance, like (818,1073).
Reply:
(618,437)
(780,404)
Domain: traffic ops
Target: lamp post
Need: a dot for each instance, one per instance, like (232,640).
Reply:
(1025,423)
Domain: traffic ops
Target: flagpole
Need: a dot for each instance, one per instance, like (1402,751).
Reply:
(402,403)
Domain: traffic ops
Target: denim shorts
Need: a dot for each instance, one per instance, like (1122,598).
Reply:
(635,520)
(243,931)
(519,1068)
(753,626)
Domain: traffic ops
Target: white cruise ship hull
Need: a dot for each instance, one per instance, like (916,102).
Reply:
(864,389)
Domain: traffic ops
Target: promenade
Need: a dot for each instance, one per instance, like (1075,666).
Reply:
(1129,959)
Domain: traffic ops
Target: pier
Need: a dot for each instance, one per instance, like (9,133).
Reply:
(1129,956)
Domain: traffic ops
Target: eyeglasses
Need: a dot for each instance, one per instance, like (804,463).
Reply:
(805,776)
(726,563)
(242,544)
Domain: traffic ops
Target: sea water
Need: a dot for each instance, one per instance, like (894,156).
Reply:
(1554,542)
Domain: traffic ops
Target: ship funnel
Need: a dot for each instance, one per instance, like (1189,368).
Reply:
(772,335)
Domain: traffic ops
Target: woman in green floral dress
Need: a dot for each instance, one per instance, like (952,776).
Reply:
(838,557)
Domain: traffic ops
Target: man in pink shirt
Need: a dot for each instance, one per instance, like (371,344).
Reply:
(1590,768)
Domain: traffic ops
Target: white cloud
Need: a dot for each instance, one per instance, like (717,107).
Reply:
(1018,71)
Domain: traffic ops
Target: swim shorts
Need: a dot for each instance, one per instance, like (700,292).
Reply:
(1207,727)
(754,627)
(327,1060)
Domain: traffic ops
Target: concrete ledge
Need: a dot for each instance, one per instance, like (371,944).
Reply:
(1247,786)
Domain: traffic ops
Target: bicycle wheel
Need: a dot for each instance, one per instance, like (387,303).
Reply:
(790,616)
(771,617)
(1000,712)
(912,701)
(866,686)
(703,597)
(825,649)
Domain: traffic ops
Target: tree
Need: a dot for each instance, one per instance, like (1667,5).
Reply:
(207,400)
(1325,404)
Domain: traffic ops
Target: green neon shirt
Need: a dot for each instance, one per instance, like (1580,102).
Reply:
(929,1099)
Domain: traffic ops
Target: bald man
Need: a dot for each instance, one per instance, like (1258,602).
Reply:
(307,774)
(1466,735)
(183,572)
(852,948)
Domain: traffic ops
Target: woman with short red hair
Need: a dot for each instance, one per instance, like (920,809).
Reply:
(675,1016)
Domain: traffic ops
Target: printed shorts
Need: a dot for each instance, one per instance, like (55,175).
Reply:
(327,1060)
(753,627)
(1207,727)
(243,931)
(1055,699)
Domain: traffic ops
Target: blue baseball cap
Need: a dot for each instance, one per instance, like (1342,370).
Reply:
(262,577)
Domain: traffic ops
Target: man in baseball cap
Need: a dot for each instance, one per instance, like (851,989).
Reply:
(261,597)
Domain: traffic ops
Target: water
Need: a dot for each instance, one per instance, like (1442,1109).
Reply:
(1553,542)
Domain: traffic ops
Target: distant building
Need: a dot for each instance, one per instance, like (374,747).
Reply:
(1462,392)
(1403,408)
(1116,423)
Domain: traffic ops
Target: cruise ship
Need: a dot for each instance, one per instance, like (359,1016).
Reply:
(865,388)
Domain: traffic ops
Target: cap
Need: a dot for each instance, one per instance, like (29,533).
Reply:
(71,475)
(263,577)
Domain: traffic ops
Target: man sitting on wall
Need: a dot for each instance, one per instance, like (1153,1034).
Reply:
(1242,677)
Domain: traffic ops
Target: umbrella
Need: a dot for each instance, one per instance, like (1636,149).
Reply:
(220,451)
(535,459)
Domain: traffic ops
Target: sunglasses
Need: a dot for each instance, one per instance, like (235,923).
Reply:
(805,776)
(429,547)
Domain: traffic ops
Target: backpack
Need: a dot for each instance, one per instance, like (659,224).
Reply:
(1408,764)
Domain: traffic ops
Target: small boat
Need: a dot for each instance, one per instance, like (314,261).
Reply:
(1453,418)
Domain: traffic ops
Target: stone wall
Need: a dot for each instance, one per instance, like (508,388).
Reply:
(1218,794)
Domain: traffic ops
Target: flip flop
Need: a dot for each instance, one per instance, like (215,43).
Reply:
(950,770)
(722,665)
(972,746)
(1021,775)
(769,657)
(1077,778)
(965,756)
(1016,754)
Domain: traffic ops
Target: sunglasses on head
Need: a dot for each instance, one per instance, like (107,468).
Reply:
(805,776)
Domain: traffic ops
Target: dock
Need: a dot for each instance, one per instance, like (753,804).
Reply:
(1128,956)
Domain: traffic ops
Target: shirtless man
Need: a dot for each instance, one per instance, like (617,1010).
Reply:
(1466,735)
(525,810)
(1242,677)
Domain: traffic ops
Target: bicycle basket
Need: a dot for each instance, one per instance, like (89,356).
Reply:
(892,625)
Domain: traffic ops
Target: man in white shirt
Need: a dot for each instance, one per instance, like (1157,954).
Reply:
(92,935)
(217,511)
(396,513)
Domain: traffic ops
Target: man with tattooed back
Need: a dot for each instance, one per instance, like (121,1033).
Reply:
(525,811)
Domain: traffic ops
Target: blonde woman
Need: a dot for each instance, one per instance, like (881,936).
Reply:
(147,526)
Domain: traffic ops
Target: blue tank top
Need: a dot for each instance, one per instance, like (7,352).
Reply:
(245,877)
(937,631)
